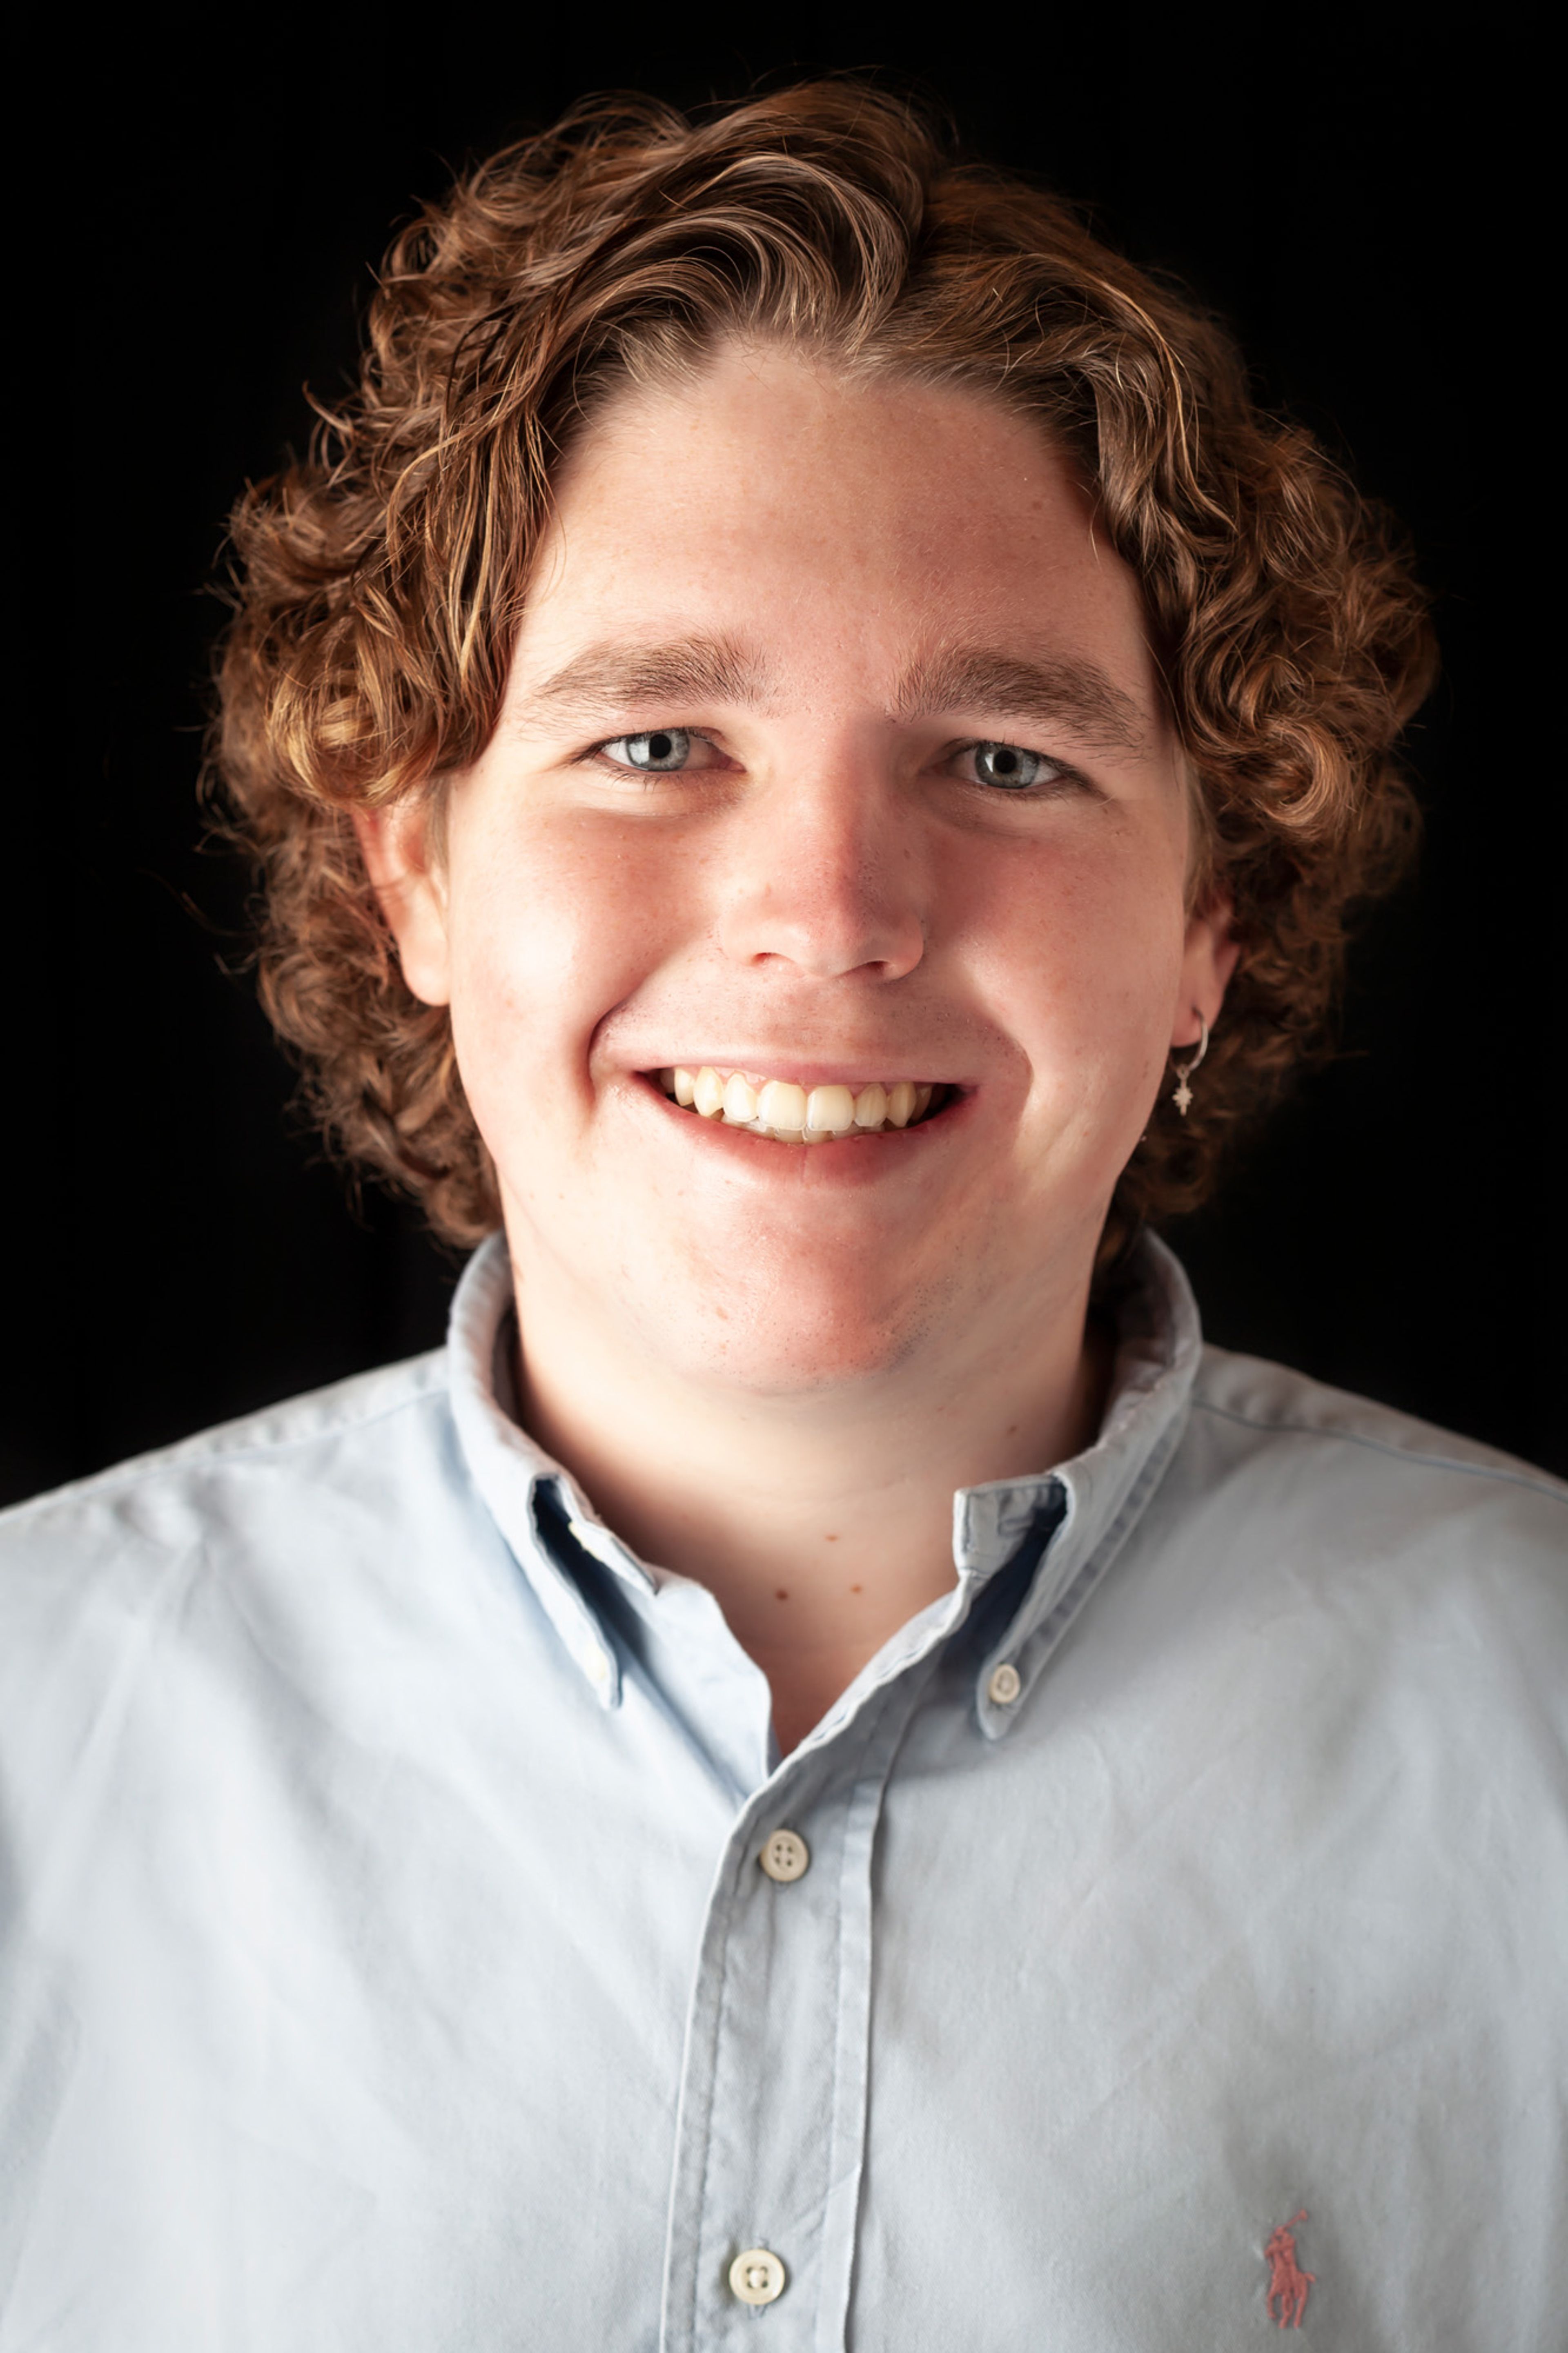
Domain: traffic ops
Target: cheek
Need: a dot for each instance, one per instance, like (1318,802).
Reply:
(1084,955)
(549,933)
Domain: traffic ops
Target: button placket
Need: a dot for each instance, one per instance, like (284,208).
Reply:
(772,2115)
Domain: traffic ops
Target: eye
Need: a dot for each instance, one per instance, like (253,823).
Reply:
(658,753)
(1008,766)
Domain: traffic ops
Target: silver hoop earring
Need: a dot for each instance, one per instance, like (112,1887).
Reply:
(1182,1095)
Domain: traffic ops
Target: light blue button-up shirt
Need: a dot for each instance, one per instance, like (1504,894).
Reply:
(389,1965)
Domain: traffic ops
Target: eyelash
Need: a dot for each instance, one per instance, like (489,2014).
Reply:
(1063,774)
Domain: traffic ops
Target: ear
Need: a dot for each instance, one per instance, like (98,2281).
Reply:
(410,885)
(1208,960)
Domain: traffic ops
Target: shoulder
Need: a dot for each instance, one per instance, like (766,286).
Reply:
(345,1411)
(1322,1486)
(1264,1414)
(171,1613)
(1354,1599)
(1285,1409)
(245,1486)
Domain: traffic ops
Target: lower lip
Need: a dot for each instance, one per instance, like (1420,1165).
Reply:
(852,1159)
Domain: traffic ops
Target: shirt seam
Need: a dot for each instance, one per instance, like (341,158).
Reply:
(711,2086)
(1543,1486)
(835,2080)
(121,1476)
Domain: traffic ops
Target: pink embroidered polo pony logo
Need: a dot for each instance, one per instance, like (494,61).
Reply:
(1288,2282)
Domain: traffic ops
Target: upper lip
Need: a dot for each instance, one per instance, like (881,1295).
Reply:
(862,1072)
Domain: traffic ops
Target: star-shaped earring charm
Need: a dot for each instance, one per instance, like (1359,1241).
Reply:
(1181,1094)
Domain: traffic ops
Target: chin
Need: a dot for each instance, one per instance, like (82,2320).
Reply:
(797,1332)
(804,1364)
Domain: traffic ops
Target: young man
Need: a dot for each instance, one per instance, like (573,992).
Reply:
(826,1767)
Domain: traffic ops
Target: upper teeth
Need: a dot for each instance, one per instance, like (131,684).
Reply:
(777,1107)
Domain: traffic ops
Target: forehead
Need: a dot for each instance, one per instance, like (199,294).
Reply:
(795,421)
(825,520)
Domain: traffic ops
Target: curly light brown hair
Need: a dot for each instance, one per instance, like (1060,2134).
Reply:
(379,582)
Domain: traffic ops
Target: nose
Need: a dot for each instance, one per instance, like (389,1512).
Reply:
(826,879)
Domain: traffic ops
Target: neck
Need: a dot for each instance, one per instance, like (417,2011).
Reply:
(821,1520)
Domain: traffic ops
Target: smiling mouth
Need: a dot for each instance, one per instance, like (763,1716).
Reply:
(788,1113)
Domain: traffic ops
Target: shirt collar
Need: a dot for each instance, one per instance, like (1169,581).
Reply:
(507,1468)
(1092,1503)
(1079,1513)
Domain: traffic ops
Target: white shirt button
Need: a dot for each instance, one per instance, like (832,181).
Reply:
(1006,1683)
(757,2277)
(785,1856)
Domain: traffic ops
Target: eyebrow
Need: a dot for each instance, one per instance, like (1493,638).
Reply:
(1048,693)
(613,676)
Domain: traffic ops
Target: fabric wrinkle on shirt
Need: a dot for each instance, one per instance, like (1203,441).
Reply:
(392,1963)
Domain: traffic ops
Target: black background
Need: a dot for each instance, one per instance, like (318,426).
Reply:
(179,1253)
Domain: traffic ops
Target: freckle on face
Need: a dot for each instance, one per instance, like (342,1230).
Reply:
(781,1594)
